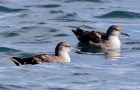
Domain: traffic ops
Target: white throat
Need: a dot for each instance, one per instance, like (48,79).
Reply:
(116,33)
(65,56)
(114,42)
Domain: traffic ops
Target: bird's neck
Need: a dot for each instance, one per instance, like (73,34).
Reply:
(114,41)
(111,42)
(64,55)
(113,34)
(111,37)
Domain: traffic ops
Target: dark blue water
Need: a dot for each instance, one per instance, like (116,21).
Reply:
(29,27)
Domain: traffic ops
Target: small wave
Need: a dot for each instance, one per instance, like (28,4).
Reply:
(80,74)
(29,27)
(53,30)
(67,1)
(6,49)
(61,35)
(42,23)
(49,6)
(8,10)
(57,88)
(132,42)
(65,20)
(67,17)
(9,15)
(8,87)
(71,15)
(9,34)
(120,14)
(3,87)
(23,15)
(136,48)
(55,12)
(45,6)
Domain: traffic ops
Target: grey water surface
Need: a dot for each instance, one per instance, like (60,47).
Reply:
(29,27)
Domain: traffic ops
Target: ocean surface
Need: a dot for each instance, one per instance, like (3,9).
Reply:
(29,27)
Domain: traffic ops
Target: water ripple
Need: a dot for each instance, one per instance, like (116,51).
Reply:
(67,1)
(61,35)
(6,49)
(69,17)
(9,34)
(53,30)
(4,87)
(120,14)
(49,6)
(8,10)
(136,48)
(132,42)
(58,89)
(56,11)
(81,74)
(45,6)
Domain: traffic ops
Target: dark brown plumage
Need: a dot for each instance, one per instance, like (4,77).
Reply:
(100,39)
(61,55)
(88,36)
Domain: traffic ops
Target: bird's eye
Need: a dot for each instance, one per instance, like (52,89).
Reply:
(67,46)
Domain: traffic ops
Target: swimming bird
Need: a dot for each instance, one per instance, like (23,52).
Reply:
(108,40)
(61,55)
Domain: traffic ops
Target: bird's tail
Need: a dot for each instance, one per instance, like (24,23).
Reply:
(78,32)
(18,61)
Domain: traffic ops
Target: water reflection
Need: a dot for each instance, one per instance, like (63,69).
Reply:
(108,54)
(112,54)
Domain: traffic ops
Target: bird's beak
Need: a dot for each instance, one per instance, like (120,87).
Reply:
(125,34)
(75,49)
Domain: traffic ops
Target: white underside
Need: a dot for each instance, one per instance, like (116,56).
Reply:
(113,43)
(65,56)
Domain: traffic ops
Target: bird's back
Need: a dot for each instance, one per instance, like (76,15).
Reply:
(88,36)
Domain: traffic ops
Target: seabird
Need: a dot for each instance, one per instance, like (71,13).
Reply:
(108,40)
(61,55)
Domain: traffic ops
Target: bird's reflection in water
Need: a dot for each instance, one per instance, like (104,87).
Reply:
(112,54)
(108,54)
